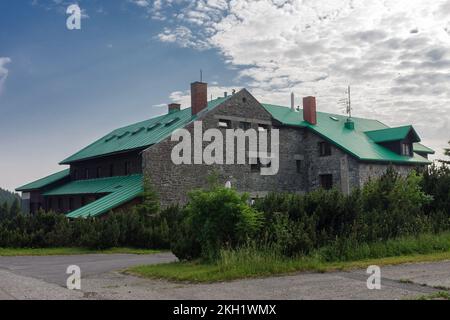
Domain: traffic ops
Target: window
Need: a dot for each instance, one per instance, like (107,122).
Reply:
(245,125)
(326,181)
(324,149)
(262,127)
(224,124)
(87,174)
(111,170)
(299,166)
(99,172)
(50,204)
(70,204)
(127,168)
(406,149)
(255,167)
(83,201)
(75,174)
(60,204)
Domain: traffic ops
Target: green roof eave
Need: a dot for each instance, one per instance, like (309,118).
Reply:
(96,186)
(418,147)
(42,183)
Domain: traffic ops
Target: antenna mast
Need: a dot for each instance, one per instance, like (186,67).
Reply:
(201,75)
(349,103)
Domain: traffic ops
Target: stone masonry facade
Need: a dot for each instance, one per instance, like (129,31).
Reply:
(300,164)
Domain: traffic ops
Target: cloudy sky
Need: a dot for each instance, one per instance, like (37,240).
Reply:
(61,89)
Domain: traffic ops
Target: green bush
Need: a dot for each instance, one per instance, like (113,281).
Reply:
(220,218)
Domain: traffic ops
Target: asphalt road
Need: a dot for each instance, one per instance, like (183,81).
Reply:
(52,269)
(44,278)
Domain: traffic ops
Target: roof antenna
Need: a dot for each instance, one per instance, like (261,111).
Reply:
(201,75)
(347,102)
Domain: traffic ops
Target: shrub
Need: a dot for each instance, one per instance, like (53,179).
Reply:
(220,218)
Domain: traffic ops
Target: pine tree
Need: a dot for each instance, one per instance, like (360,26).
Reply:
(446,153)
(150,200)
(15,208)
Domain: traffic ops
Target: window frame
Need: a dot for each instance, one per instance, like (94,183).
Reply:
(324,149)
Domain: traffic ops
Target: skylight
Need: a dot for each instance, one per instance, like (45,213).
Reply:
(110,138)
(138,130)
(123,135)
(170,122)
(153,126)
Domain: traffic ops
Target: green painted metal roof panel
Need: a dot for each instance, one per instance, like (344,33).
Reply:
(418,147)
(41,183)
(356,142)
(96,186)
(135,137)
(108,202)
(391,134)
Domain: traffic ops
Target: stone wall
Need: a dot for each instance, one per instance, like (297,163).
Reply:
(173,182)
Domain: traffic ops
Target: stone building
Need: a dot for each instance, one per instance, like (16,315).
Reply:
(316,150)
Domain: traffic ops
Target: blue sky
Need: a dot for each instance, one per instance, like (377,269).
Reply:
(65,88)
(61,89)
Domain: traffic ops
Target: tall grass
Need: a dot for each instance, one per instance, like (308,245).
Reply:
(254,260)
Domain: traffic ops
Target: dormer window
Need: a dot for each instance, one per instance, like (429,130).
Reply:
(399,140)
(406,149)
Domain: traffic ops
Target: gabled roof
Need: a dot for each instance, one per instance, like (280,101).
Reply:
(355,142)
(121,191)
(41,183)
(392,134)
(139,135)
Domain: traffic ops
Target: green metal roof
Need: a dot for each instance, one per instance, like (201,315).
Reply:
(418,147)
(392,134)
(117,191)
(96,186)
(356,142)
(108,202)
(41,183)
(139,135)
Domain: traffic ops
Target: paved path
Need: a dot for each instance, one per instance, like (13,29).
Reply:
(41,278)
(52,269)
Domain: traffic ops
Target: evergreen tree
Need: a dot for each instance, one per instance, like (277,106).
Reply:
(446,153)
(15,208)
(150,200)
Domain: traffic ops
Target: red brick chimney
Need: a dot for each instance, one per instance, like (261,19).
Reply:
(199,96)
(174,107)
(309,110)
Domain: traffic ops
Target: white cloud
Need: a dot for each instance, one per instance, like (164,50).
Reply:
(3,71)
(395,54)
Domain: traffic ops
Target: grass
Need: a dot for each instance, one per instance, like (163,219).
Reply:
(11,252)
(249,262)
(441,295)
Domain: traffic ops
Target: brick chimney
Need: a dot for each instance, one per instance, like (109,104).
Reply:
(309,110)
(174,107)
(199,97)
